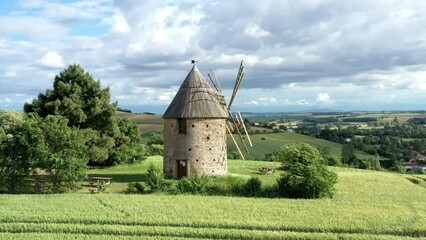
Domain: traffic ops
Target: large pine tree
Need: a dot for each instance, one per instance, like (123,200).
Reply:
(79,98)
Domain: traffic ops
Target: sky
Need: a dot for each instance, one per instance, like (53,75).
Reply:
(298,55)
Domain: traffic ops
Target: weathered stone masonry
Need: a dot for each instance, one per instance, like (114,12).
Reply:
(195,130)
(203,147)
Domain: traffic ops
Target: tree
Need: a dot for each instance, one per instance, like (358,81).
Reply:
(80,99)
(20,151)
(348,155)
(64,157)
(46,145)
(306,175)
(129,147)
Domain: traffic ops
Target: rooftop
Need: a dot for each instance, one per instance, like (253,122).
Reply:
(196,99)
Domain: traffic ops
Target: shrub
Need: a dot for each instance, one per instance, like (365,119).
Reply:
(226,185)
(102,187)
(306,175)
(333,161)
(155,179)
(398,167)
(156,149)
(194,184)
(135,187)
(253,187)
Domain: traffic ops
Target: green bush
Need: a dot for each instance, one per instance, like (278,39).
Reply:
(155,179)
(156,149)
(253,187)
(398,167)
(135,187)
(333,161)
(226,185)
(102,187)
(194,184)
(306,175)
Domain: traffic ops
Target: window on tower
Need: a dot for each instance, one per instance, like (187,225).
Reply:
(182,125)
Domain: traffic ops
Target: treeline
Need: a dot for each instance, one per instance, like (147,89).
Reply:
(388,142)
(359,119)
(62,131)
(124,110)
(417,120)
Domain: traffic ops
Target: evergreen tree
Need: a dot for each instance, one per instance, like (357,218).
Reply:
(80,99)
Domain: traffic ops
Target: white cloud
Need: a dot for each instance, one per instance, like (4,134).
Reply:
(118,23)
(10,74)
(52,60)
(143,90)
(303,102)
(36,27)
(252,102)
(166,96)
(255,31)
(276,60)
(325,98)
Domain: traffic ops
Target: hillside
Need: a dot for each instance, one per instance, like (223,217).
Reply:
(367,205)
(276,140)
(154,123)
(146,122)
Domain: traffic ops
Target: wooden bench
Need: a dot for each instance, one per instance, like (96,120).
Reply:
(265,170)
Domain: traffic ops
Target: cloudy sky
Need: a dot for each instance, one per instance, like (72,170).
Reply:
(299,55)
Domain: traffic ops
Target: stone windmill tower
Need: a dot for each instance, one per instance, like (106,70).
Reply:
(195,130)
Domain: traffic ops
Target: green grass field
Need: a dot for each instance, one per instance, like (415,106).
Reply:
(123,174)
(367,205)
(276,140)
(146,123)
(154,123)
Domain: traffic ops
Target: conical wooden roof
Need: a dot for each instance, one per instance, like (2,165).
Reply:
(196,99)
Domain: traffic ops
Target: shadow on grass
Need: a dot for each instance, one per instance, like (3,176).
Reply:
(122,178)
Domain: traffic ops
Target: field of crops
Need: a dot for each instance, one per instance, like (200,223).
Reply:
(146,123)
(276,140)
(367,205)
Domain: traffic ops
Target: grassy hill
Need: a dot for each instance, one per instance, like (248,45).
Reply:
(367,205)
(146,122)
(276,140)
(154,123)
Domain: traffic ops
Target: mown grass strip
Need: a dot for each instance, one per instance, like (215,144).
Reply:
(75,231)
(111,224)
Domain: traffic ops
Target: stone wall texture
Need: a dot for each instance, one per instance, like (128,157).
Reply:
(203,147)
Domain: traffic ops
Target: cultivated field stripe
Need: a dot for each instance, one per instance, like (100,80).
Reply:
(130,232)
(89,226)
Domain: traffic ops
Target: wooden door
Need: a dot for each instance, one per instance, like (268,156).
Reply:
(182,168)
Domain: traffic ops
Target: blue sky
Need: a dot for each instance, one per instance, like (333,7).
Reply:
(299,55)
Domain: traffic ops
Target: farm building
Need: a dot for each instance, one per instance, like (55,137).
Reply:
(195,130)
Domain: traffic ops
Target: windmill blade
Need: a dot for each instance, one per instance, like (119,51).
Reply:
(235,143)
(240,76)
(238,119)
(239,132)
(245,129)
(213,79)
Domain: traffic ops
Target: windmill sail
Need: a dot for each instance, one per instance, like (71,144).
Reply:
(240,76)
(235,125)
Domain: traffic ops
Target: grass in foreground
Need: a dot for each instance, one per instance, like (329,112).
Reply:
(367,205)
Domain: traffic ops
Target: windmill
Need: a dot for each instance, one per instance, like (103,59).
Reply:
(235,123)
